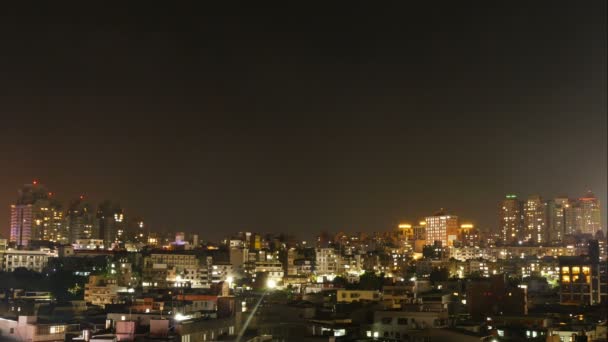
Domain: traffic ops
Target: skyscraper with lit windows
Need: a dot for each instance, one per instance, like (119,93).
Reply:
(441,227)
(21,224)
(556,218)
(36,215)
(590,212)
(535,219)
(510,219)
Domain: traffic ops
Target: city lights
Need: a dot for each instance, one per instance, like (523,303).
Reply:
(365,171)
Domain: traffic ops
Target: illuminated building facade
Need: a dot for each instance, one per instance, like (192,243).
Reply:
(510,219)
(556,218)
(468,235)
(53,224)
(590,212)
(535,219)
(406,231)
(36,216)
(419,231)
(10,260)
(443,228)
(327,261)
(574,218)
(21,224)
(582,280)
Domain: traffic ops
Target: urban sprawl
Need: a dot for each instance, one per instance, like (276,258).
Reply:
(93,273)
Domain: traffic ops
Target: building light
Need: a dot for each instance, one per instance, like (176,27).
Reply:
(180,317)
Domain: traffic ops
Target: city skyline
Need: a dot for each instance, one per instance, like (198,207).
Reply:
(360,171)
(37,214)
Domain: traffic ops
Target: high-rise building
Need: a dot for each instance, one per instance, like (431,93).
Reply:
(556,218)
(136,231)
(535,219)
(590,212)
(36,216)
(583,215)
(441,227)
(419,231)
(110,220)
(53,227)
(405,231)
(510,219)
(80,221)
(468,235)
(574,218)
(21,224)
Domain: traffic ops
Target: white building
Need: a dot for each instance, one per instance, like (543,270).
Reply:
(183,270)
(397,324)
(25,328)
(273,269)
(467,253)
(327,261)
(204,276)
(32,260)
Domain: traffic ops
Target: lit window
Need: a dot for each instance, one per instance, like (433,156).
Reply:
(565,279)
(565,270)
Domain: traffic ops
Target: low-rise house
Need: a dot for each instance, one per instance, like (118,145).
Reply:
(398,324)
(26,328)
(101,290)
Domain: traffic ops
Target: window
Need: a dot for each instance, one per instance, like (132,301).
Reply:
(576,270)
(565,270)
(402,321)
(565,279)
(387,320)
(586,270)
(57,329)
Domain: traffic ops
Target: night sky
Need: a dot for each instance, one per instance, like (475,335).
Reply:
(303,118)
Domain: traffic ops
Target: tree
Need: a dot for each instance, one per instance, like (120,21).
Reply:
(340,282)
(429,252)
(371,281)
(439,274)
